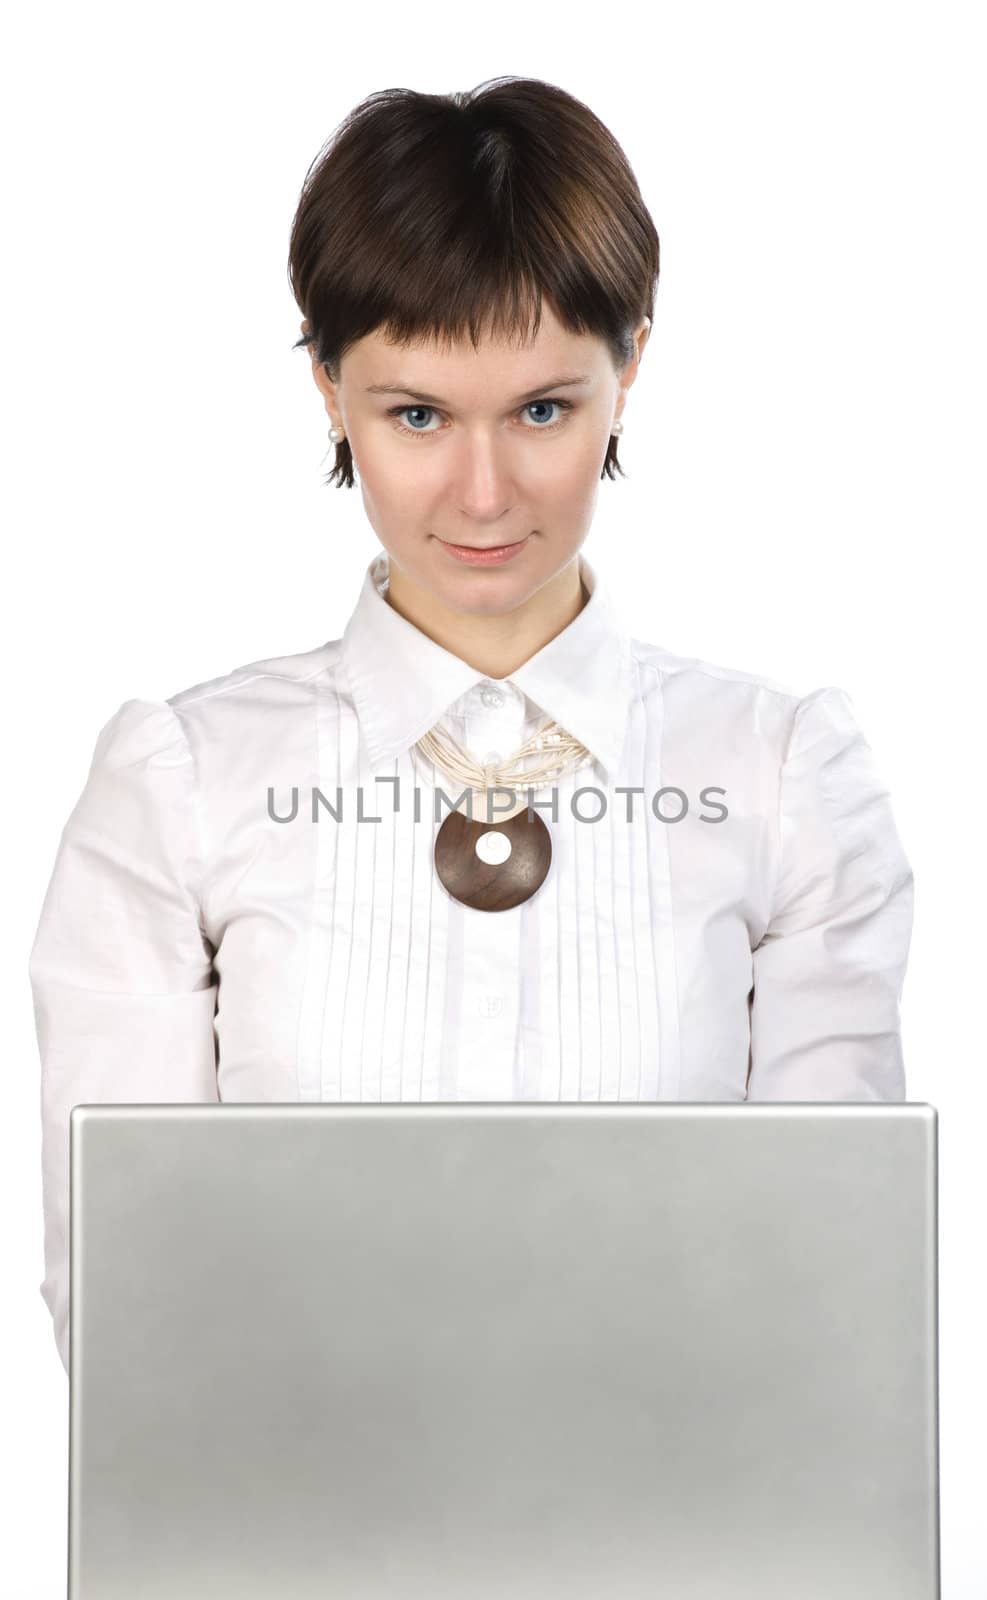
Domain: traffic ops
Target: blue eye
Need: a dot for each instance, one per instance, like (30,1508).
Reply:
(532,403)
(564,406)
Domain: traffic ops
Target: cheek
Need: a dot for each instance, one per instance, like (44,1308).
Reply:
(395,472)
(400,499)
(567,476)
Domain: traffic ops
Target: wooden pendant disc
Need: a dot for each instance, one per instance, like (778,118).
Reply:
(511,866)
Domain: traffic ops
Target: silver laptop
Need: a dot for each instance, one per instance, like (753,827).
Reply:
(508,1351)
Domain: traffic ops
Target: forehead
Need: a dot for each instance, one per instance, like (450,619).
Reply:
(460,368)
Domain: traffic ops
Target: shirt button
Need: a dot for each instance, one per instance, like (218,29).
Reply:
(492,757)
(491,697)
(491,1005)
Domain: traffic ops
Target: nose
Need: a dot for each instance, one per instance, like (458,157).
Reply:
(487,487)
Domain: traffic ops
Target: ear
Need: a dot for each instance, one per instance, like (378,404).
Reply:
(641,335)
(323,382)
(629,372)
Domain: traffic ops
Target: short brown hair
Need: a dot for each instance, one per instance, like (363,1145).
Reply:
(434,215)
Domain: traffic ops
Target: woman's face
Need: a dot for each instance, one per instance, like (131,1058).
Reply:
(503,451)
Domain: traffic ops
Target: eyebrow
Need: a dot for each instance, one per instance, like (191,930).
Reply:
(565,382)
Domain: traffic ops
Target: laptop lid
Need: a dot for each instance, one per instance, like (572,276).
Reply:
(464,1351)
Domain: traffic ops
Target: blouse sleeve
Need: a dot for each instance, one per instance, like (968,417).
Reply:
(121,970)
(830,968)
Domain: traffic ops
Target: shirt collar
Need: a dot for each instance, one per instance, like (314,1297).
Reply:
(403,682)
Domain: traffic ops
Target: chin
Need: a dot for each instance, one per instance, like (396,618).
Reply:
(490,593)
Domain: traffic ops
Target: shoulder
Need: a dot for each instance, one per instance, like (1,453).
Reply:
(723,699)
(256,716)
(710,692)
(278,677)
(239,703)
(699,676)
(156,733)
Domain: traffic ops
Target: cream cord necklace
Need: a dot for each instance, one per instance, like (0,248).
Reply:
(564,752)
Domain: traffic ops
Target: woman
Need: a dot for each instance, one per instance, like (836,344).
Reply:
(682,882)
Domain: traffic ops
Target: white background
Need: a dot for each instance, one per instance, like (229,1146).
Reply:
(804,449)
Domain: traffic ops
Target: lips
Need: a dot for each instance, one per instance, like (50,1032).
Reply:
(488,555)
(456,546)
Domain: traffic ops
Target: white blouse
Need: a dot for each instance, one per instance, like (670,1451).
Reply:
(727,913)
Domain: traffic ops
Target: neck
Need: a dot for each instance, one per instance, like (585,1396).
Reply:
(495,646)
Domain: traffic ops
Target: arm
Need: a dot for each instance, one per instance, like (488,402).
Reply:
(120,969)
(829,970)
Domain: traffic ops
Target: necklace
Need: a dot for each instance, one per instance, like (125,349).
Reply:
(494,865)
